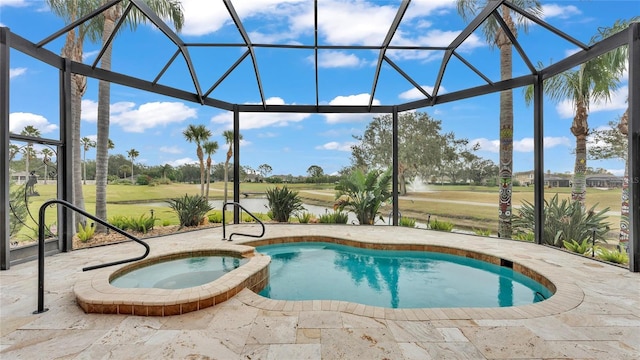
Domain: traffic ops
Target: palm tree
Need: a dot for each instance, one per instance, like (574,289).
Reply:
(165,168)
(166,9)
(228,138)
(496,36)
(29,130)
(210,148)
(617,58)
(46,156)
(133,154)
(71,11)
(198,134)
(591,81)
(86,145)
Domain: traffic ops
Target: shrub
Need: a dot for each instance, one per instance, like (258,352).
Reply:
(482,232)
(364,194)
(282,203)
(613,256)
(142,224)
(120,222)
(525,236)
(336,217)
(144,180)
(191,210)
(408,222)
(563,221)
(166,222)
(215,217)
(577,247)
(248,218)
(441,225)
(85,232)
(304,217)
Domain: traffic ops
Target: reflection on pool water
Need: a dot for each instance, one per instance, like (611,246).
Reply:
(179,273)
(393,279)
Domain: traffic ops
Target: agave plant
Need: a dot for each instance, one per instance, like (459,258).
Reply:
(191,210)
(563,221)
(282,203)
(364,194)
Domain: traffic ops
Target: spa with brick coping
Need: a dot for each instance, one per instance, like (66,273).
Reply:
(95,294)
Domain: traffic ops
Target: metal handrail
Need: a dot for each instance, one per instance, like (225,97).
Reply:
(41,244)
(224,222)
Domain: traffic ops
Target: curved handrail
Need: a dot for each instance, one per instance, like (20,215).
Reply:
(41,244)
(224,222)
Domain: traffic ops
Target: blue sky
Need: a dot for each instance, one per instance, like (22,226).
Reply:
(290,143)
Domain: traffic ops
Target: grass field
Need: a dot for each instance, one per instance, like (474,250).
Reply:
(467,207)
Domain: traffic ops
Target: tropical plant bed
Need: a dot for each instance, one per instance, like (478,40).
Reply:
(113,237)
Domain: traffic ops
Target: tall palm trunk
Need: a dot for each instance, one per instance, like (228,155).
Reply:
(201,159)
(73,50)
(624,206)
(580,130)
(102,143)
(226,172)
(208,177)
(506,128)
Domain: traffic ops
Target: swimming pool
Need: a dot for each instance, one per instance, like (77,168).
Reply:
(179,273)
(393,278)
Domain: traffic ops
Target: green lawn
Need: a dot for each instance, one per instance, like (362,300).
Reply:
(451,203)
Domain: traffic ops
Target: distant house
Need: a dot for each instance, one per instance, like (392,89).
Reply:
(525,178)
(604,181)
(19,177)
(556,181)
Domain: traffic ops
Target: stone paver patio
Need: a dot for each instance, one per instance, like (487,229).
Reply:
(595,313)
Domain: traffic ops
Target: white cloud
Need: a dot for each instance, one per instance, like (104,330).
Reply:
(182,161)
(618,101)
(14,3)
(205,17)
(15,72)
(413,93)
(334,145)
(359,99)
(170,149)
(146,116)
(90,54)
(559,11)
(616,172)
(337,59)
(522,145)
(19,120)
(260,120)
(569,52)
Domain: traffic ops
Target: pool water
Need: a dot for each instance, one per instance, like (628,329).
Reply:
(180,273)
(393,279)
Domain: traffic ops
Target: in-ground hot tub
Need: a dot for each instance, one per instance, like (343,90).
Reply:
(95,293)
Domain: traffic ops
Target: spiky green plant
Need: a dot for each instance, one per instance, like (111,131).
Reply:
(336,217)
(577,247)
(364,194)
(441,225)
(85,232)
(191,210)
(408,222)
(563,220)
(482,232)
(613,256)
(282,203)
(304,217)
